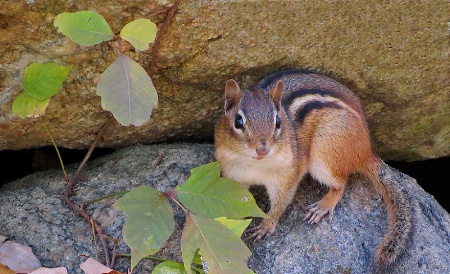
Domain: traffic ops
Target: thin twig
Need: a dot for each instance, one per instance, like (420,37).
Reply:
(88,154)
(97,227)
(116,242)
(95,239)
(57,152)
(69,190)
(88,203)
(159,36)
(146,257)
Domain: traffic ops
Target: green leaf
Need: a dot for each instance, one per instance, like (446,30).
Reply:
(222,250)
(197,258)
(206,193)
(42,81)
(86,28)
(149,222)
(169,267)
(235,226)
(127,91)
(139,33)
(27,106)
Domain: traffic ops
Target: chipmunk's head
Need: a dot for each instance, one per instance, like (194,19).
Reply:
(254,119)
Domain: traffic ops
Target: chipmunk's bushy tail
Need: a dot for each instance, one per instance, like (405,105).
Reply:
(400,213)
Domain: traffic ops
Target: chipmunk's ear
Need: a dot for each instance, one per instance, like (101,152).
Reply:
(276,94)
(232,94)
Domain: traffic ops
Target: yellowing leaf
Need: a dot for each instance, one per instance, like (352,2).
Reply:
(27,106)
(235,226)
(86,28)
(139,33)
(206,193)
(127,91)
(222,250)
(149,221)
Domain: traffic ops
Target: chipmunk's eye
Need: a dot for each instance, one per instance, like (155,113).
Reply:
(238,121)
(277,122)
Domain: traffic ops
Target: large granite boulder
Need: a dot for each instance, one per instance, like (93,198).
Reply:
(394,55)
(33,213)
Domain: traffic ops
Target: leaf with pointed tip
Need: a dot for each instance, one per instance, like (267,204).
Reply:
(222,250)
(206,193)
(149,221)
(42,81)
(127,91)
(27,106)
(197,258)
(139,33)
(86,28)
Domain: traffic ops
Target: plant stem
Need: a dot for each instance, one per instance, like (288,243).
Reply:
(171,194)
(57,152)
(115,241)
(69,190)
(97,227)
(119,44)
(146,257)
(86,204)
(88,154)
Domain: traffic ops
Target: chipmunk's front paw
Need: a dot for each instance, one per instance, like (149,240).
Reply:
(316,211)
(263,230)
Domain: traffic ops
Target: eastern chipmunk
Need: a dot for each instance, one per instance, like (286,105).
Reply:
(292,123)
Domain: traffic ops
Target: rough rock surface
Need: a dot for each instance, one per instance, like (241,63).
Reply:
(393,54)
(32,213)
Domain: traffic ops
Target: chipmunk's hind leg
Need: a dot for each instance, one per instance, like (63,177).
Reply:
(339,147)
(331,172)
(327,171)
(320,171)
(326,205)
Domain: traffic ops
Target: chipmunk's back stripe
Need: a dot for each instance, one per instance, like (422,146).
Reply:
(302,112)
(319,93)
(273,78)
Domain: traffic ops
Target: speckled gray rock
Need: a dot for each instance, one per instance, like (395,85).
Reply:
(347,244)
(32,213)
(393,54)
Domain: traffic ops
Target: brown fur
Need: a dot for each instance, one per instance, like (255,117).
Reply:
(323,132)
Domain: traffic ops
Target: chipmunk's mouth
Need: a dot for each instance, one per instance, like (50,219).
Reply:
(259,157)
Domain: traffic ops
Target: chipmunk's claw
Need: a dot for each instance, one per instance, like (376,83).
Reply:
(315,213)
(261,231)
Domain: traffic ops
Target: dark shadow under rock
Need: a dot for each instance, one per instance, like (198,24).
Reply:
(32,213)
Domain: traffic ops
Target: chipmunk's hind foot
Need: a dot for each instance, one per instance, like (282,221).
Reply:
(319,209)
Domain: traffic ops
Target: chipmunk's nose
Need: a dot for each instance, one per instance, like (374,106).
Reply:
(262,150)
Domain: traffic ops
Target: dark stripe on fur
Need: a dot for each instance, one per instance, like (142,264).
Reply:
(304,111)
(271,79)
(304,92)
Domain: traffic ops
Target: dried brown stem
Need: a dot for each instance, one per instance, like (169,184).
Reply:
(97,227)
(89,153)
(159,36)
(69,190)
(116,241)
